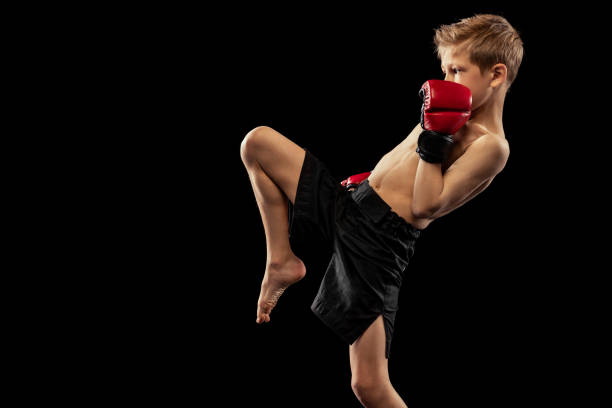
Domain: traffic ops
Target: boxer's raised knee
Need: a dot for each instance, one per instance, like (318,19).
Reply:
(252,142)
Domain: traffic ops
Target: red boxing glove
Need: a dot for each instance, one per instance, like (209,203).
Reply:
(354,180)
(446,107)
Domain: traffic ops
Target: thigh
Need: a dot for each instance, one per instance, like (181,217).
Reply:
(280,158)
(367,354)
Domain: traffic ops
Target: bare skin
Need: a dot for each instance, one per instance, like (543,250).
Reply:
(393,177)
(274,164)
(277,278)
(479,153)
(370,369)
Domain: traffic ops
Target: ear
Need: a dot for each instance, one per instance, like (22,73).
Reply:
(498,73)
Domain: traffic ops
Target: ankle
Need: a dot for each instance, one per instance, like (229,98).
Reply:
(276,262)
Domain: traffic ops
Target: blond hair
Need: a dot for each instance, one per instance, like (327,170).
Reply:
(489,39)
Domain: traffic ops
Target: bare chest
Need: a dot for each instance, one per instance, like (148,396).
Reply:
(393,178)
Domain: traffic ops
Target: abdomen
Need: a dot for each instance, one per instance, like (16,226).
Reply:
(393,181)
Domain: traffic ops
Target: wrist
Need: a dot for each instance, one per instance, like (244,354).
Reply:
(434,147)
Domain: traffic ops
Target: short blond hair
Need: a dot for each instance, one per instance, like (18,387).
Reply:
(489,39)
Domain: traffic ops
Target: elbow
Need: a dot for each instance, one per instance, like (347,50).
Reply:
(423,212)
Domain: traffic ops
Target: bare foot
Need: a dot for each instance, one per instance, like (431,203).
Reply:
(277,278)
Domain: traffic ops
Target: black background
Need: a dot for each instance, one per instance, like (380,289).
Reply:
(484,303)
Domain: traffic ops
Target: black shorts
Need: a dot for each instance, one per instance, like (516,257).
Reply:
(370,247)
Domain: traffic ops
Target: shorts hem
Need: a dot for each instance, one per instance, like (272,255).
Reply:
(321,314)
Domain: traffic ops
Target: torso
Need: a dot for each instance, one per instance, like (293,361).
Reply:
(393,177)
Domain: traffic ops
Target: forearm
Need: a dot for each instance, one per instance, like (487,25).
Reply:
(428,184)
(446,108)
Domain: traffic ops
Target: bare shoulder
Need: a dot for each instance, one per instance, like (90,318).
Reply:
(494,148)
(494,143)
(481,153)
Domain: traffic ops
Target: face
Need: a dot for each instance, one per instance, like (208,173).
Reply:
(456,67)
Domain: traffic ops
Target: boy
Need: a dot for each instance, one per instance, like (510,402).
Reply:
(372,226)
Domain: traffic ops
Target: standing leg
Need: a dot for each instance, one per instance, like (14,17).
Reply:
(274,164)
(370,370)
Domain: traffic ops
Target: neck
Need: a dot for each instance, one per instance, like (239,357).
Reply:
(490,113)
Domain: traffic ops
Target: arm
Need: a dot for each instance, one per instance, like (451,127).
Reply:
(436,194)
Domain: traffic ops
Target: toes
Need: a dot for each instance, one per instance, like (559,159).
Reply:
(262,319)
(262,313)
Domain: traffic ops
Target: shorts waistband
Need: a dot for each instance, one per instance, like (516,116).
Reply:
(378,210)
